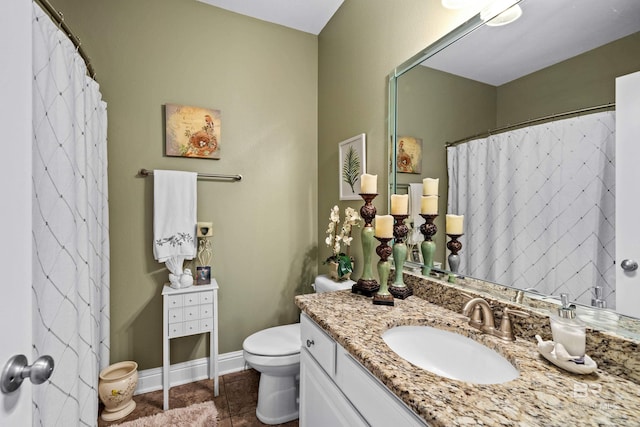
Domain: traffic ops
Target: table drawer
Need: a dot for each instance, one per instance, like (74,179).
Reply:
(176,329)
(192,327)
(206,297)
(192,298)
(191,313)
(206,325)
(319,344)
(174,301)
(176,315)
(206,311)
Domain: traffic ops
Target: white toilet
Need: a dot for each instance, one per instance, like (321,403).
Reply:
(275,353)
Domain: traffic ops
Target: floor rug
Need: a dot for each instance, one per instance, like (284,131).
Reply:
(197,415)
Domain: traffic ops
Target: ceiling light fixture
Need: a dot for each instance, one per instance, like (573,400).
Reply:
(491,11)
(506,17)
(501,12)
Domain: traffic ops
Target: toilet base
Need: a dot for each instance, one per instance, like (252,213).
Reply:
(278,399)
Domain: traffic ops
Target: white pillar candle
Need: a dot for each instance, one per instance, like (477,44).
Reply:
(454,224)
(369,184)
(429,205)
(430,186)
(399,204)
(384,226)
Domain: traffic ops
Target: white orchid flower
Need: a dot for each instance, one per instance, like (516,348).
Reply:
(335,240)
(335,214)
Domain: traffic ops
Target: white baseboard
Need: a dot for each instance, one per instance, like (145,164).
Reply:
(187,372)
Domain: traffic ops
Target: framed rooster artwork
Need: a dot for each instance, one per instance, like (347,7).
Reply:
(192,132)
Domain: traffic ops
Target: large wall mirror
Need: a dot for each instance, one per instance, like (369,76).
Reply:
(518,123)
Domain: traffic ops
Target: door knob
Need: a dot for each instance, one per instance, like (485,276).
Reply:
(17,369)
(629,265)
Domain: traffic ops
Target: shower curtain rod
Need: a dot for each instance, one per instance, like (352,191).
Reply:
(59,19)
(529,122)
(146,172)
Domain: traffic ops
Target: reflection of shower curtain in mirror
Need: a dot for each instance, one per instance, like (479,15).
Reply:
(70,286)
(539,205)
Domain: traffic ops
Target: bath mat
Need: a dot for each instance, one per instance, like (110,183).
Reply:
(197,415)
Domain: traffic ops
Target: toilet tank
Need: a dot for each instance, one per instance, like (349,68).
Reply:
(324,284)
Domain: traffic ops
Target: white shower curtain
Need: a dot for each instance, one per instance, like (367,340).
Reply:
(539,205)
(70,286)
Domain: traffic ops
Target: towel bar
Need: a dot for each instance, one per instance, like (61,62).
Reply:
(146,172)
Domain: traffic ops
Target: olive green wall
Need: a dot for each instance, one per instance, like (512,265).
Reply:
(263,77)
(439,107)
(358,49)
(584,81)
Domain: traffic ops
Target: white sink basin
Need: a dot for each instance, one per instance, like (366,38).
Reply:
(449,355)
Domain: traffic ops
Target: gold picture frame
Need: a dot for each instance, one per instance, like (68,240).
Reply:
(409,155)
(192,132)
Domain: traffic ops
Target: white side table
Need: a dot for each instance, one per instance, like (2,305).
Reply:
(190,311)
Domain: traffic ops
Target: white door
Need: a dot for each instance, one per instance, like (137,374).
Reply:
(15,201)
(627,200)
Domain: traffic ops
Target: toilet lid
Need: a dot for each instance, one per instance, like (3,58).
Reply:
(276,341)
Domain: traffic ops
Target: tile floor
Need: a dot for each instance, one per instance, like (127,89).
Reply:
(236,403)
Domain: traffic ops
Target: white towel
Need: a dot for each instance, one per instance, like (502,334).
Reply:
(415,203)
(174,217)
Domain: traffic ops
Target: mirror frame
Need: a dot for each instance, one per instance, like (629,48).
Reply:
(456,34)
(625,326)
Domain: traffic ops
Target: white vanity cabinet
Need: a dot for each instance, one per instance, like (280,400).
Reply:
(336,390)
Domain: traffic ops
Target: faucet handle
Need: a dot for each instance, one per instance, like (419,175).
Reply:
(475,319)
(506,330)
(464,294)
(507,311)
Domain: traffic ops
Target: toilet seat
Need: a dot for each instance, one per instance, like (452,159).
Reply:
(263,362)
(274,342)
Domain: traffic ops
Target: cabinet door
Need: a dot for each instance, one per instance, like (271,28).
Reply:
(319,345)
(321,402)
(374,401)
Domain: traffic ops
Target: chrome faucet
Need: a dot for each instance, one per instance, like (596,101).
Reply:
(482,318)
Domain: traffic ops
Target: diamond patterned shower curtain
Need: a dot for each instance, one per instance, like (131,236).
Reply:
(539,206)
(70,289)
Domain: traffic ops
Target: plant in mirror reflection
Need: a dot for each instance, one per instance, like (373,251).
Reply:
(335,239)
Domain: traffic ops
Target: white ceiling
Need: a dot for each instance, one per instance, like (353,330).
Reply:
(309,16)
(549,31)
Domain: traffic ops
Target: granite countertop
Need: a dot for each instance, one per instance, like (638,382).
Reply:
(543,395)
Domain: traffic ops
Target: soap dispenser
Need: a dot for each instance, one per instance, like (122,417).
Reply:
(567,329)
